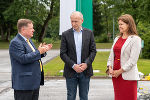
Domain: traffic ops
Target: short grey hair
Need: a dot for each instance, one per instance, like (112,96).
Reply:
(77,14)
(23,22)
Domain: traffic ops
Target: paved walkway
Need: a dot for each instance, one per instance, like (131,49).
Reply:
(100,89)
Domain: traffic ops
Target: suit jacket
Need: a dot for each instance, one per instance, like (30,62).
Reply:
(26,72)
(129,56)
(68,51)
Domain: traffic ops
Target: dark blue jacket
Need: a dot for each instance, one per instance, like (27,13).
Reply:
(26,73)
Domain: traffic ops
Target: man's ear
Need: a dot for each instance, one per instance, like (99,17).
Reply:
(22,29)
(82,20)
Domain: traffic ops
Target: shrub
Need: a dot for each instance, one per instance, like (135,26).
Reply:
(146,49)
(101,39)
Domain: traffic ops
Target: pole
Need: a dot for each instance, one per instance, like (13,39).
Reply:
(113,28)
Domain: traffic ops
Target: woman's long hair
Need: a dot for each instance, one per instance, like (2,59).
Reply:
(128,19)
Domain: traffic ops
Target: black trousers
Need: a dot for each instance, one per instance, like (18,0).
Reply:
(26,94)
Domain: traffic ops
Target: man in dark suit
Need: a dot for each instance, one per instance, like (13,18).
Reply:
(78,51)
(27,69)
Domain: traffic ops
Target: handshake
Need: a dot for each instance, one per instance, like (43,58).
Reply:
(43,47)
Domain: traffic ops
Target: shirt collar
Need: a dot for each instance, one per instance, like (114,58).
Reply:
(76,31)
(23,37)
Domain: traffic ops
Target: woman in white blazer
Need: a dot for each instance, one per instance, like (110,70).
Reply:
(122,62)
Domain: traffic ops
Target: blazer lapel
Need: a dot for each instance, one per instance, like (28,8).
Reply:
(71,38)
(20,37)
(83,38)
(25,43)
(126,43)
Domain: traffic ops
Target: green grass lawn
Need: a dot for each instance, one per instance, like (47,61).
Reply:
(144,66)
(103,45)
(54,66)
(56,45)
(4,45)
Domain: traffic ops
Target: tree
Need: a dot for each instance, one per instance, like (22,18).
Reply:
(4,5)
(97,18)
(52,13)
(45,25)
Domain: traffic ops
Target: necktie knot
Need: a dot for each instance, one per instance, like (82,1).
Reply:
(27,40)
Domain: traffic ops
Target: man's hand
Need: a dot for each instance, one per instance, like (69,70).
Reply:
(42,49)
(83,66)
(47,46)
(77,68)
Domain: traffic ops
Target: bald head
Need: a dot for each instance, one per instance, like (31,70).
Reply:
(76,14)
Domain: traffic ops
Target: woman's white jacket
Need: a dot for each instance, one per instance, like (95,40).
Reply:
(130,52)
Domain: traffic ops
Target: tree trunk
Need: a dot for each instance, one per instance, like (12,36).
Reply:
(106,18)
(2,33)
(8,34)
(44,27)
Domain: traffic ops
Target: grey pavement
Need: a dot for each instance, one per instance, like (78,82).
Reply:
(103,50)
(100,89)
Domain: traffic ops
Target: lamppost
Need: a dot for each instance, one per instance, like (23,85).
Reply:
(113,27)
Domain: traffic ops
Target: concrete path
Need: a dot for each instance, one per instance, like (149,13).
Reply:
(100,89)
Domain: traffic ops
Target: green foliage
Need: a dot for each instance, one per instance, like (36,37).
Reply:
(104,11)
(98,28)
(144,33)
(31,9)
(53,29)
(146,49)
(35,10)
(103,38)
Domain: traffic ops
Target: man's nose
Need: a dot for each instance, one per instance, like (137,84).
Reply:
(73,23)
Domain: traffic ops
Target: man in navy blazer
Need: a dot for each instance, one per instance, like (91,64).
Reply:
(78,51)
(27,69)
